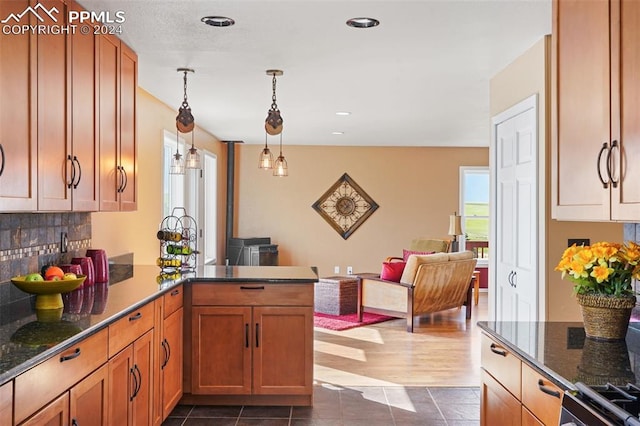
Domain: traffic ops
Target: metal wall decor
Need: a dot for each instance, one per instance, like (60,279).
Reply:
(345,206)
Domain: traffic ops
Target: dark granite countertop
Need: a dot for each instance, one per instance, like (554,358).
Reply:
(563,353)
(30,339)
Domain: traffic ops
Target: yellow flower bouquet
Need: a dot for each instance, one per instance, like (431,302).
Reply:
(602,268)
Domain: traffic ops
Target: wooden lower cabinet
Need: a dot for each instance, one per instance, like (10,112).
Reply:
(250,354)
(6,404)
(171,368)
(130,383)
(56,413)
(88,399)
(497,405)
(514,393)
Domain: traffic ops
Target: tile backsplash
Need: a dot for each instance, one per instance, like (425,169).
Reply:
(28,241)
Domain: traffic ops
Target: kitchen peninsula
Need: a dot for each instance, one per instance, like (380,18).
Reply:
(241,326)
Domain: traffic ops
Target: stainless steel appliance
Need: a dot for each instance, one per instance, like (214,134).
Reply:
(602,405)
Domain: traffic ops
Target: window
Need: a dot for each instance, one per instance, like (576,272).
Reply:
(474,210)
(196,191)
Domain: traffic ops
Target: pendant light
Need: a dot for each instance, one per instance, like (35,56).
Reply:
(273,126)
(185,123)
(280,169)
(266,158)
(177,163)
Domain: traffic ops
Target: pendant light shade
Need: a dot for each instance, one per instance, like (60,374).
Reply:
(177,163)
(193,157)
(265,161)
(280,168)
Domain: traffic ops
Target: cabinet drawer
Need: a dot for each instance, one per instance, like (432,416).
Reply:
(253,294)
(172,301)
(59,373)
(127,329)
(540,396)
(503,365)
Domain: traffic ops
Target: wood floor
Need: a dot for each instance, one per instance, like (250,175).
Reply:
(444,350)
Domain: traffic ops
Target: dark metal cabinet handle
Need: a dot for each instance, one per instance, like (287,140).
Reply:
(514,279)
(74,422)
(495,350)
(246,335)
(2,155)
(546,390)
(605,146)
(125,179)
(73,171)
(168,350)
(132,371)
(244,287)
(175,292)
(74,355)
(510,278)
(139,381)
(166,355)
(615,145)
(76,161)
(135,317)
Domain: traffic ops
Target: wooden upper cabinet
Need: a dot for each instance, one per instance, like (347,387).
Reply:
(595,96)
(18,152)
(54,143)
(625,201)
(117,122)
(84,140)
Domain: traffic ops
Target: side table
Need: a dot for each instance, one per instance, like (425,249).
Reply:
(336,295)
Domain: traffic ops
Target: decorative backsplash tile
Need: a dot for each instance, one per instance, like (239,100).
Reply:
(28,241)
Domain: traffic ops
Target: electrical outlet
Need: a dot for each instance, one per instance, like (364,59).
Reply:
(64,242)
(336,269)
(349,270)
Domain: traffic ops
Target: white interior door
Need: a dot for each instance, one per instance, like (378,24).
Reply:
(515,146)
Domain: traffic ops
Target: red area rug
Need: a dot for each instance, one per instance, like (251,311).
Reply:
(345,322)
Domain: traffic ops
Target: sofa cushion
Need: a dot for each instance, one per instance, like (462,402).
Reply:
(406,253)
(414,261)
(424,244)
(462,255)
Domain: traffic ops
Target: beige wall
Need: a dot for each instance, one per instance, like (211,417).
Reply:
(416,188)
(135,232)
(527,75)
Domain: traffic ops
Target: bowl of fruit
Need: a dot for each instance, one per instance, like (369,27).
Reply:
(48,285)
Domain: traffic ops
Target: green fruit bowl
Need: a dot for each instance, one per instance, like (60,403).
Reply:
(48,293)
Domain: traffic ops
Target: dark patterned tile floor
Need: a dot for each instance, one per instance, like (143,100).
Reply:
(353,406)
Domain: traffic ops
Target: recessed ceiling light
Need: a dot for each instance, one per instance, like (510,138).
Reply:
(218,21)
(363,22)
(343,113)
(337,133)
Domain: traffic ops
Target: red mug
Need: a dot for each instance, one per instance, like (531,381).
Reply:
(87,269)
(100,264)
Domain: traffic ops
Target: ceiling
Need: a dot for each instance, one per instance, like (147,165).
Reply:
(420,78)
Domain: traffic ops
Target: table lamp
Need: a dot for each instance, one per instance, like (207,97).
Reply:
(455,229)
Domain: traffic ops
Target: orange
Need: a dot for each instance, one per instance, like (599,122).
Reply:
(53,273)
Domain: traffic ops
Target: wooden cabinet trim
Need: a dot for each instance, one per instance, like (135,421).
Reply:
(252,294)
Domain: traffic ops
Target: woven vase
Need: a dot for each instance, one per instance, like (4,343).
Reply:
(606,317)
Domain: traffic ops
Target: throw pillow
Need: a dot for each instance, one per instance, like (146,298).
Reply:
(392,269)
(406,253)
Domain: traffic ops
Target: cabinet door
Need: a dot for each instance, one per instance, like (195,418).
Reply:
(580,109)
(625,104)
(283,350)
(540,396)
(143,361)
(221,354)
(528,419)
(18,132)
(6,404)
(128,141)
(497,405)
(54,144)
(122,386)
(172,362)
(56,413)
(83,120)
(88,399)
(108,119)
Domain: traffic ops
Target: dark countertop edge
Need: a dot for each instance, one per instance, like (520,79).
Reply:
(557,379)
(9,375)
(252,280)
